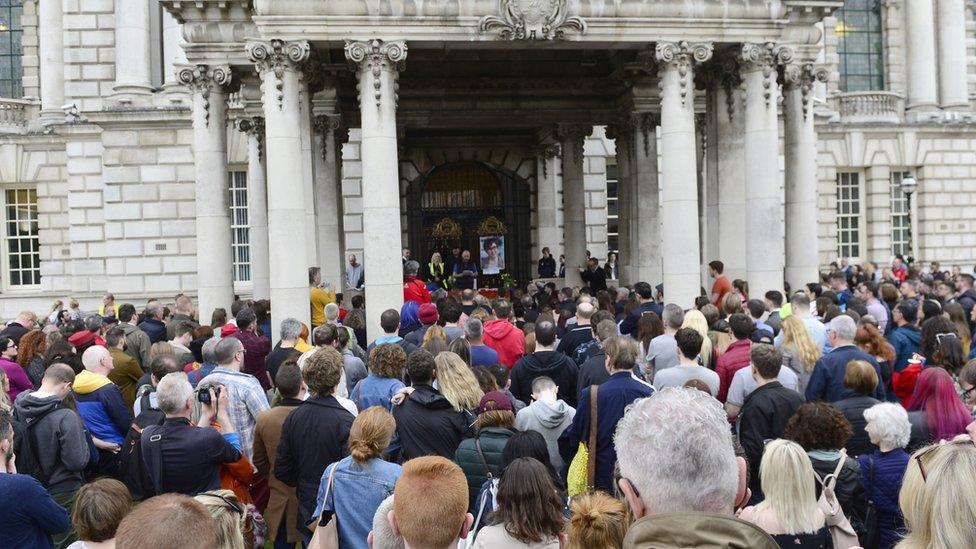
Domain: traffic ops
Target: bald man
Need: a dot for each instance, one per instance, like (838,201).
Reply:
(101,406)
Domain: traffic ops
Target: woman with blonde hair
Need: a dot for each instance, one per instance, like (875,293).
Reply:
(229,515)
(435,341)
(695,320)
(598,521)
(161,348)
(789,512)
(800,354)
(456,382)
(936,496)
(362,480)
(5,403)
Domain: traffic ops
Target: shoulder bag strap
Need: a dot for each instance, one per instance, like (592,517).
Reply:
(481,454)
(591,447)
(35,451)
(156,451)
(329,515)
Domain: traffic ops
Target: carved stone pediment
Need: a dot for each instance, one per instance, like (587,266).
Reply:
(533,20)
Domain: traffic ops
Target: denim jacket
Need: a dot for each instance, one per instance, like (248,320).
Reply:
(357,491)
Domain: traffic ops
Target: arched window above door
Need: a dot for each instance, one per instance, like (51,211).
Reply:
(467,185)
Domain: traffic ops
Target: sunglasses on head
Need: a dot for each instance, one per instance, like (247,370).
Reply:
(933,448)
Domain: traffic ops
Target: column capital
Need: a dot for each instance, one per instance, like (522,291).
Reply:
(682,56)
(574,133)
(278,56)
(324,124)
(765,57)
(802,76)
(546,152)
(730,80)
(252,127)
(205,79)
(377,56)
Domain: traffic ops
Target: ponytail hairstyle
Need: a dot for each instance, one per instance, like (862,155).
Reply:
(370,434)
(599,522)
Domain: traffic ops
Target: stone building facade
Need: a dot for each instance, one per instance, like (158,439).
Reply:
(121,173)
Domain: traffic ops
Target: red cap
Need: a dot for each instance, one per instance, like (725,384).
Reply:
(495,400)
(427,313)
(82,339)
(228,330)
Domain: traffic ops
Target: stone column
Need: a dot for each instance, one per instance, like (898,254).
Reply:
(764,228)
(51,50)
(173,55)
(327,217)
(802,254)
(920,55)
(378,65)
(679,172)
(257,206)
(547,196)
(622,132)
(209,86)
(571,138)
(132,67)
(730,163)
(280,65)
(953,69)
(646,199)
(311,83)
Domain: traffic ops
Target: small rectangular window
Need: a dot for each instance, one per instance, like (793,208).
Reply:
(848,215)
(239,225)
(20,235)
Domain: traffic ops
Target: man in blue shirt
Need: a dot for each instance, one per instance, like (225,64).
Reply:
(481,354)
(827,381)
(30,517)
(612,398)
(906,336)
(647,305)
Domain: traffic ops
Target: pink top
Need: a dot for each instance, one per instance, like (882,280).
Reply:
(19,382)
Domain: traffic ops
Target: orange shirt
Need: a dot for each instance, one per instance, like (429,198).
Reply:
(721,287)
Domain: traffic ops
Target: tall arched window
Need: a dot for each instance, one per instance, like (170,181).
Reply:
(860,46)
(11,52)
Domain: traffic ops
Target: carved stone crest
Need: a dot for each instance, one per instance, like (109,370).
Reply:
(533,20)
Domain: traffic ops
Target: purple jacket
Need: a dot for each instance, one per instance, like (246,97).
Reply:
(255,356)
(19,382)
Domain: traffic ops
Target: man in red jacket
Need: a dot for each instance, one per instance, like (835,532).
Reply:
(502,336)
(414,289)
(737,356)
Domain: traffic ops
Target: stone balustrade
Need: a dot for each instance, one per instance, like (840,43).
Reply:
(15,114)
(871,107)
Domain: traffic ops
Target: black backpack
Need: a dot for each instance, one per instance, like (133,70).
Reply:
(26,445)
(132,469)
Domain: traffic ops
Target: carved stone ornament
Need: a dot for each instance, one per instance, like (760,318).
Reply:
(533,20)
(731,81)
(646,123)
(377,56)
(547,153)
(682,55)
(576,134)
(765,57)
(202,79)
(325,124)
(803,75)
(446,228)
(253,126)
(492,226)
(277,56)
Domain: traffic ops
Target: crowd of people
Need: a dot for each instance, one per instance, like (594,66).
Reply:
(837,415)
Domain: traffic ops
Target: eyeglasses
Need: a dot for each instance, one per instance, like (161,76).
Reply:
(965,394)
(229,503)
(931,449)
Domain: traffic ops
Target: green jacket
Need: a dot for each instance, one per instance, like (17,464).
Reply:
(137,344)
(492,441)
(700,530)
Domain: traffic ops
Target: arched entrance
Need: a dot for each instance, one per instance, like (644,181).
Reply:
(449,204)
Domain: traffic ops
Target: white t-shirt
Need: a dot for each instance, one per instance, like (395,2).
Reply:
(678,375)
(743,384)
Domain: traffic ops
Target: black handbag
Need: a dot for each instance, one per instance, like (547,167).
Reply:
(870,537)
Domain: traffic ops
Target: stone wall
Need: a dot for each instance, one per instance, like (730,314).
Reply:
(943,158)
(89,52)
